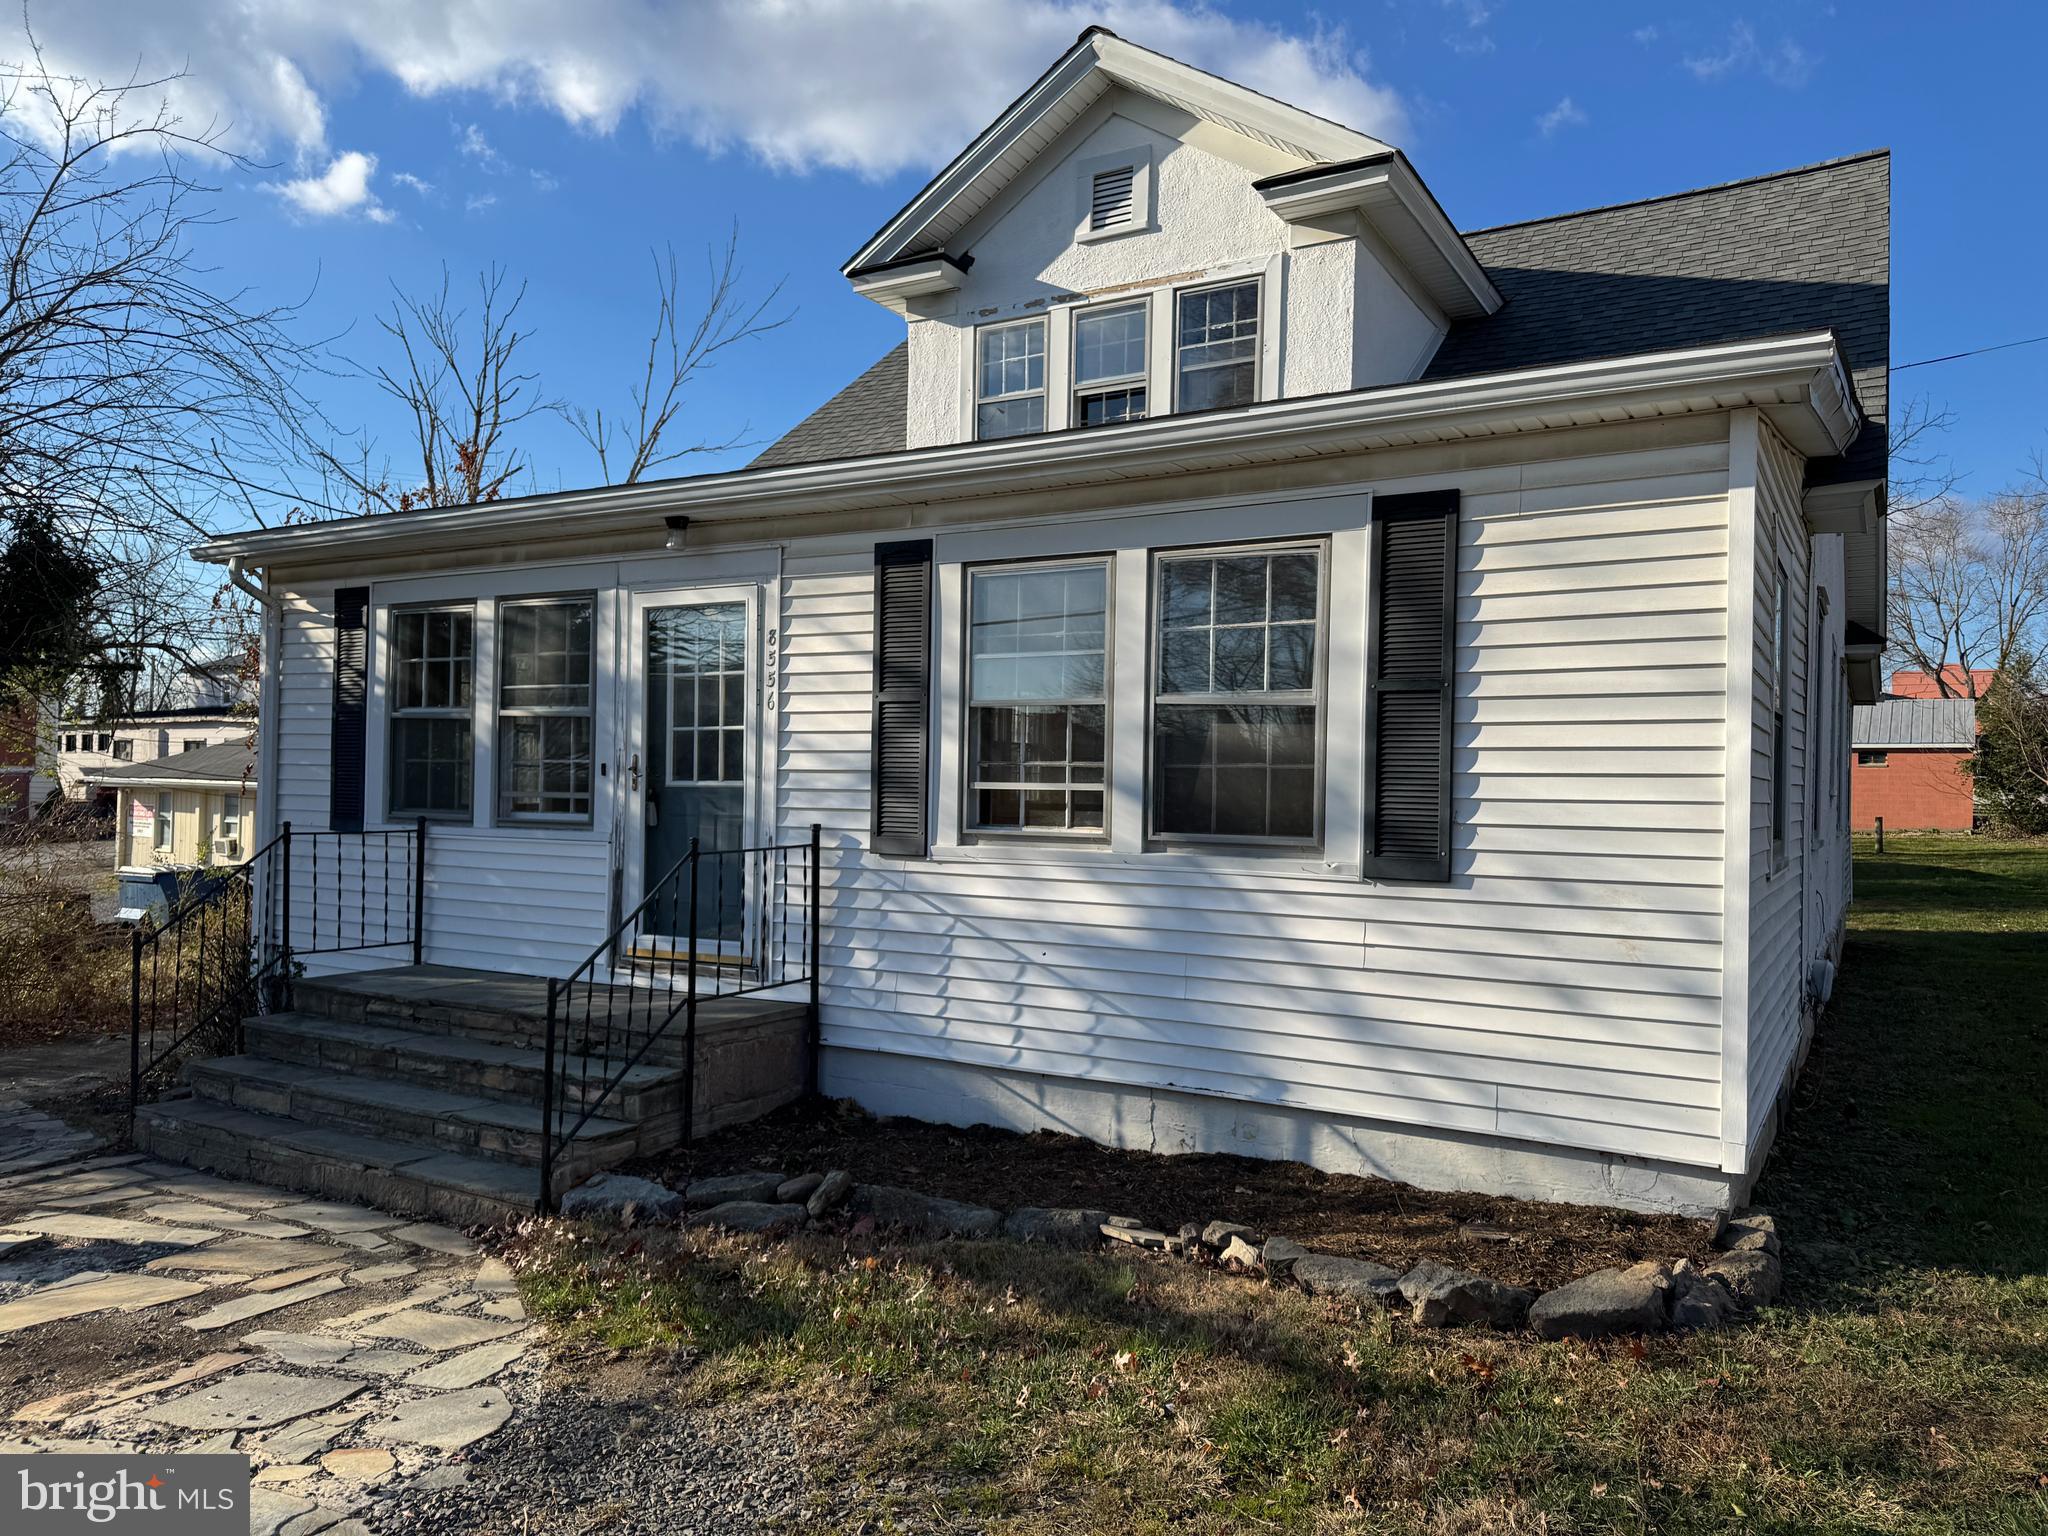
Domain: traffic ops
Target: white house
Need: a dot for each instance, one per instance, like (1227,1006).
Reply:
(1276,674)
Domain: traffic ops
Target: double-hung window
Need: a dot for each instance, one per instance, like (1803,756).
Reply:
(544,710)
(1010,379)
(1237,694)
(166,807)
(230,816)
(433,652)
(1037,697)
(1216,347)
(1109,365)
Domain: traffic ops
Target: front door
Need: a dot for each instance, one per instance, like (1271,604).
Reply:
(692,772)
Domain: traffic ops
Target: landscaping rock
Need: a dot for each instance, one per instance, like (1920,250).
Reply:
(1606,1302)
(831,1193)
(926,1215)
(1059,1226)
(1700,1302)
(1441,1297)
(1279,1254)
(752,1216)
(799,1189)
(1754,1231)
(1238,1251)
(1190,1236)
(1140,1237)
(621,1198)
(1751,1273)
(760,1188)
(1218,1234)
(1325,1274)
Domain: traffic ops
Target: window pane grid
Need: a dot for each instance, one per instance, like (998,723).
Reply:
(432,671)
(1216,344)
(701,652)
(1235,695)
(1036,686)
(545,728)
(1010,387)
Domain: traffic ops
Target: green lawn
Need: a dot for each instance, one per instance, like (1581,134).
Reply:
(1902,1384)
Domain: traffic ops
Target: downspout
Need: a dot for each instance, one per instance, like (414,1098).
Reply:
(244,584)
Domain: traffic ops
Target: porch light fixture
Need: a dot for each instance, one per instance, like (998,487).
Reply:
(678,532)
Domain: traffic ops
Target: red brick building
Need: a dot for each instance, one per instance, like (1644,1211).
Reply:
(1921,685)
(1906,763)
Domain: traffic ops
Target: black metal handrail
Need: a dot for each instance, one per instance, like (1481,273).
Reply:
(663,961)
(230,944)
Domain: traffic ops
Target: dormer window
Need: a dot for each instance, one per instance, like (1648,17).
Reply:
(1010,380)
(1216,347)
(1110,203)
(1109,365)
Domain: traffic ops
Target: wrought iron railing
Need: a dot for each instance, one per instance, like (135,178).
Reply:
(230,942)
(722,922)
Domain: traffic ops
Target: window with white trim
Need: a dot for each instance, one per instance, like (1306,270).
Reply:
(166,805)
(1216,346)
(230,816)
(1010,379)
(545,722)
(1037,676)
(1109,364)
(433,653)
(1237,694)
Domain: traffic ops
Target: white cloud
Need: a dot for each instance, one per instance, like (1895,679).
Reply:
(1645,35)
(469,138)
(477,202)
(413,183)
(800,84)
(1566,114)
(1473,37)
(1783,63)
(340,190)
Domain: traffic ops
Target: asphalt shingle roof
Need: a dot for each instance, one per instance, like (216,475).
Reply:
(227,762)
(1804,249)
(1914,723)
(865,417)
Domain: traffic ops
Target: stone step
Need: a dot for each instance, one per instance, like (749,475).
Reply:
(460,1064)
(336,1164)
(408,1111)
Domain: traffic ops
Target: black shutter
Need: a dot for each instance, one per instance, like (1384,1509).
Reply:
(903,665)
(1408,705)
(351,697)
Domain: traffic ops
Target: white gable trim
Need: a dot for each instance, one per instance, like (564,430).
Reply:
(1084,74)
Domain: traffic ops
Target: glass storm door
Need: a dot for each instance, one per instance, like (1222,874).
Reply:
(697,757)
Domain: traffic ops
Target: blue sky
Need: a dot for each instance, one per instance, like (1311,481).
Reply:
(400,138)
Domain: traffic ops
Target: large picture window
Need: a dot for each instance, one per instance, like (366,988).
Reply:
(1237,693)
(432,662)
(1216,347)
(1010,380)
(544,710)
(1109,365)
(1036,695)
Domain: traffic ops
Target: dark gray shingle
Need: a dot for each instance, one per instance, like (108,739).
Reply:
(865,417)
(1800,250)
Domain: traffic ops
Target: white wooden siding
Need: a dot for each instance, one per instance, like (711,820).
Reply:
(1563,988)
(1777,957)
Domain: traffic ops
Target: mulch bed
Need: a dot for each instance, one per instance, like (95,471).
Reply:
(1527,1242)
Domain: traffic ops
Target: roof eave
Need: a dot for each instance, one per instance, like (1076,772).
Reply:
(1797,380)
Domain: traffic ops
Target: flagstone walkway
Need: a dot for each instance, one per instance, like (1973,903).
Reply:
(354,1356)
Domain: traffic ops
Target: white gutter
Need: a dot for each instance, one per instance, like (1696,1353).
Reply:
(244,584)
(1799,381)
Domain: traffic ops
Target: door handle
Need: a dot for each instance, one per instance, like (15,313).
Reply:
(634,769)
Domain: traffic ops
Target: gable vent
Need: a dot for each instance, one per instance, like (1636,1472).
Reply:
(1111,204)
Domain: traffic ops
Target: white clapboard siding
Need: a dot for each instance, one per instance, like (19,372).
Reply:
(1778,873)
(1564,987)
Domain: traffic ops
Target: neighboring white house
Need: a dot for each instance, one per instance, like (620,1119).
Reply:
(188,811)
(206,708)
(1347,689)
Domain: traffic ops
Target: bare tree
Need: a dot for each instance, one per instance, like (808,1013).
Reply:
(1969,584)
(139,405)
(629,450)
(459,381)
